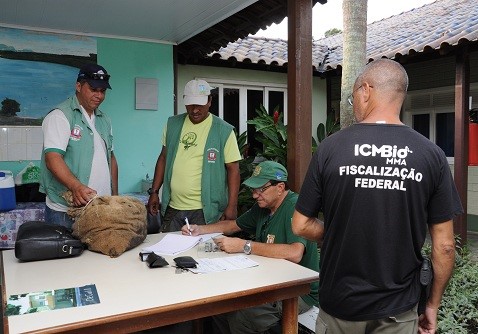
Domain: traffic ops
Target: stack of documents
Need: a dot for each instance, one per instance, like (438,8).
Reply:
(173,244)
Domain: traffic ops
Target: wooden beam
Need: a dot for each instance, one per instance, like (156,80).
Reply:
(462,92)
(299,91)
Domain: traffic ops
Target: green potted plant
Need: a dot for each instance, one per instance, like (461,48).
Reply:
(272,133)
(332,125)
(245,200)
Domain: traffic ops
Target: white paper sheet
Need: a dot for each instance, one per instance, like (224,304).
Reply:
(210,265)
(308,318)
(173,244)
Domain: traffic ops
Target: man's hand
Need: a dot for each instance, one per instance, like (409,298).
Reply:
(427,322)
(230,245)
(230,213)
(153,204)
(82,195)
(193,229)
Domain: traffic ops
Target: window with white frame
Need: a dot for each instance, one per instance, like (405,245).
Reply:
(236,102)
(432,113)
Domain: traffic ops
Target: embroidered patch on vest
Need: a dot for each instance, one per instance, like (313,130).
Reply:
(76,133)
(212,155)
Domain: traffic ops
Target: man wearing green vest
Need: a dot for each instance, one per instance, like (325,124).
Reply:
(198,167)
(78,148)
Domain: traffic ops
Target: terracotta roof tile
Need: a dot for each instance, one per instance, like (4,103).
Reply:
(247,21)
(437,25)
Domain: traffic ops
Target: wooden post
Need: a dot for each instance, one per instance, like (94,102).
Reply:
(290,307)
(462,90)
(299,91)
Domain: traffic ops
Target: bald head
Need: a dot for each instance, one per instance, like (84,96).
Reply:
(380,90)
(386,76)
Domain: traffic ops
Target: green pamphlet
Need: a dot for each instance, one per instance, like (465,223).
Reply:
(51,300)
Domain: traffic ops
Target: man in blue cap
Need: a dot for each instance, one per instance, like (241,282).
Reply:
(78,148)
(269,220)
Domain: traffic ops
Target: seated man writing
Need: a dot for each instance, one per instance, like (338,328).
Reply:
(269,220)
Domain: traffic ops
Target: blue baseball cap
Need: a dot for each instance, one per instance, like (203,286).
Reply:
(95,75)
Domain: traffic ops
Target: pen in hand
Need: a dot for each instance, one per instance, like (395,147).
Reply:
(187,224)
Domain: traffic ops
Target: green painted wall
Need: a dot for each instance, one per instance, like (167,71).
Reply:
(137,133)
(15,166)
(472,223)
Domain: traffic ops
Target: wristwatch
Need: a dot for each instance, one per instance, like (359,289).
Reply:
(247,247)
(151,191)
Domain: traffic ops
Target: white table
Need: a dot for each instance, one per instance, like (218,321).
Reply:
(134,297)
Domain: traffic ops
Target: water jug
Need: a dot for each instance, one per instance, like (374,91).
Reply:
(7,191)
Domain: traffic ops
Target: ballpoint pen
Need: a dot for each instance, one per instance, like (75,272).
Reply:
(187,224)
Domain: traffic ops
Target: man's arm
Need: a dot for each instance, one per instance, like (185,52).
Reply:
(443,260)
(153,202)
(309,228)
(224,226)
(57,166)
(292,252)
(233,183)
(114,175)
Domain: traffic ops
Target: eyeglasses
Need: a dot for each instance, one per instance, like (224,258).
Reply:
(350,99)
(261,190)
(96,76)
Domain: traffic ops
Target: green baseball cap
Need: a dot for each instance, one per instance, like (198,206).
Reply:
(266,171)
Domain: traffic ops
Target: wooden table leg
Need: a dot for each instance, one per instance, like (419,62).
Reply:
(290,309)
(198,326)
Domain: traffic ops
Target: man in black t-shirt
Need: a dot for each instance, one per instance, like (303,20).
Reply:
(380,185)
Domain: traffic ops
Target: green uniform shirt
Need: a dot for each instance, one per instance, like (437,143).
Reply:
(278,229)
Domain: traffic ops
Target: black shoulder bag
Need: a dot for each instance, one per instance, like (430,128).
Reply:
(37,240)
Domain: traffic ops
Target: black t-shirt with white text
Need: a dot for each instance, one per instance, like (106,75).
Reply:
(378,185)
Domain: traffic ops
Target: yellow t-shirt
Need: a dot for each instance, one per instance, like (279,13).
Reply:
(187,166)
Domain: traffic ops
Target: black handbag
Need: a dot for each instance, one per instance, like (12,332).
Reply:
(37,240)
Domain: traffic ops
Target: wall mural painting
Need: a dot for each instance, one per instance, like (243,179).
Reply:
(38,71)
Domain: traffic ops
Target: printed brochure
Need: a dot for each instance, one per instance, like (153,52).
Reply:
(51,300)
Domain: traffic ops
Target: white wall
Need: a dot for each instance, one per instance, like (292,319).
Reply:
(189,72)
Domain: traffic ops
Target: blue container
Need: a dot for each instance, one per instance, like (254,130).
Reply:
(7,191)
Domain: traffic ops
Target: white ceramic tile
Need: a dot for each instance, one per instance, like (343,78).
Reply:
(16,135)
(3,143)
(34,135)
(3,135)
(3,151)
(34,151)
(16,152)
